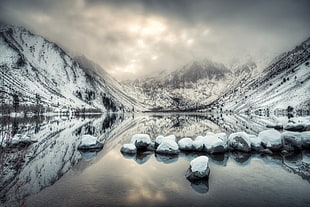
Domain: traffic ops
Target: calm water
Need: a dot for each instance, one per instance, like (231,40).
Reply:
(54,173)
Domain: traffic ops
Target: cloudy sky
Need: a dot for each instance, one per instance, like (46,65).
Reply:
(130,38)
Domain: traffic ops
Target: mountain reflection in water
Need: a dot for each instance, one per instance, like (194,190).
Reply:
(54,157)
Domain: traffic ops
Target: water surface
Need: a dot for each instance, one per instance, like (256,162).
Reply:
(54,173)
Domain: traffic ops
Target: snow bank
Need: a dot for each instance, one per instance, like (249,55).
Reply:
(271,139)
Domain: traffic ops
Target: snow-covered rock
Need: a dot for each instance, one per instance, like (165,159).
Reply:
(198,168)
(199,143)
(159,139)
(214,145)
(129,148)
(141,141)
(89,142)
(186,144)
(168,146)
(222,136)
(256,143)
(292,139)
(240,141)
(305,136)
(271,139)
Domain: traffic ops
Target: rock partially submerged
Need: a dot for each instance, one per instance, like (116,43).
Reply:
(129,148)
(214,144)
(298,127)
(198,169)
(239,141)
(292,140)
(168,146)
(271,139)
(141,141)
(186,144)
(256,143)
(159,139)
(90,142)
(305,137)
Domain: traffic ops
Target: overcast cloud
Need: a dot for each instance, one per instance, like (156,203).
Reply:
(129,38)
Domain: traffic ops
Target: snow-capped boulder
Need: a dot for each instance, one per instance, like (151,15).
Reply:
(256,143)
(186,144)
(129,148)
(292,139)
(89,142)
(159,139)
(271,139)
(168,146)
(214,145)
(198,168)
(141,141)
(305,137)
(239,141)
(199,143)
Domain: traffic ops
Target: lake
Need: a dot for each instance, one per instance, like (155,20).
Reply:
(52,172)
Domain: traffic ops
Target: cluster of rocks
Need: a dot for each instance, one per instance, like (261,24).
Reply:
(267,141)
(296,127)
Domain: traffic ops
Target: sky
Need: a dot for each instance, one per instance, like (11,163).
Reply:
(133,38)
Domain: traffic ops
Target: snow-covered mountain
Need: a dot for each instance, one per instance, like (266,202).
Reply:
(190,87)
(39,72)
(283,85)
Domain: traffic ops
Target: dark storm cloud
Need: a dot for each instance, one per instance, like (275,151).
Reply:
(142,36)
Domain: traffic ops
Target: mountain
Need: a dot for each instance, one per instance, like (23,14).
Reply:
(190,87)
(281,87)
(36,72)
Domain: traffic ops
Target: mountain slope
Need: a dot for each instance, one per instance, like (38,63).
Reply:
(189,88)
(38,71)
(285,83)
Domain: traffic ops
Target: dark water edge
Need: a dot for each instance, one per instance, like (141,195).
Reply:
(54,173)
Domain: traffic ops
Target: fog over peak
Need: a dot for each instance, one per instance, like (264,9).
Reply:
(132,38)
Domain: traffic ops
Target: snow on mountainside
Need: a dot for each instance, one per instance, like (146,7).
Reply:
(284,83)
(39,72)
(191,87)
